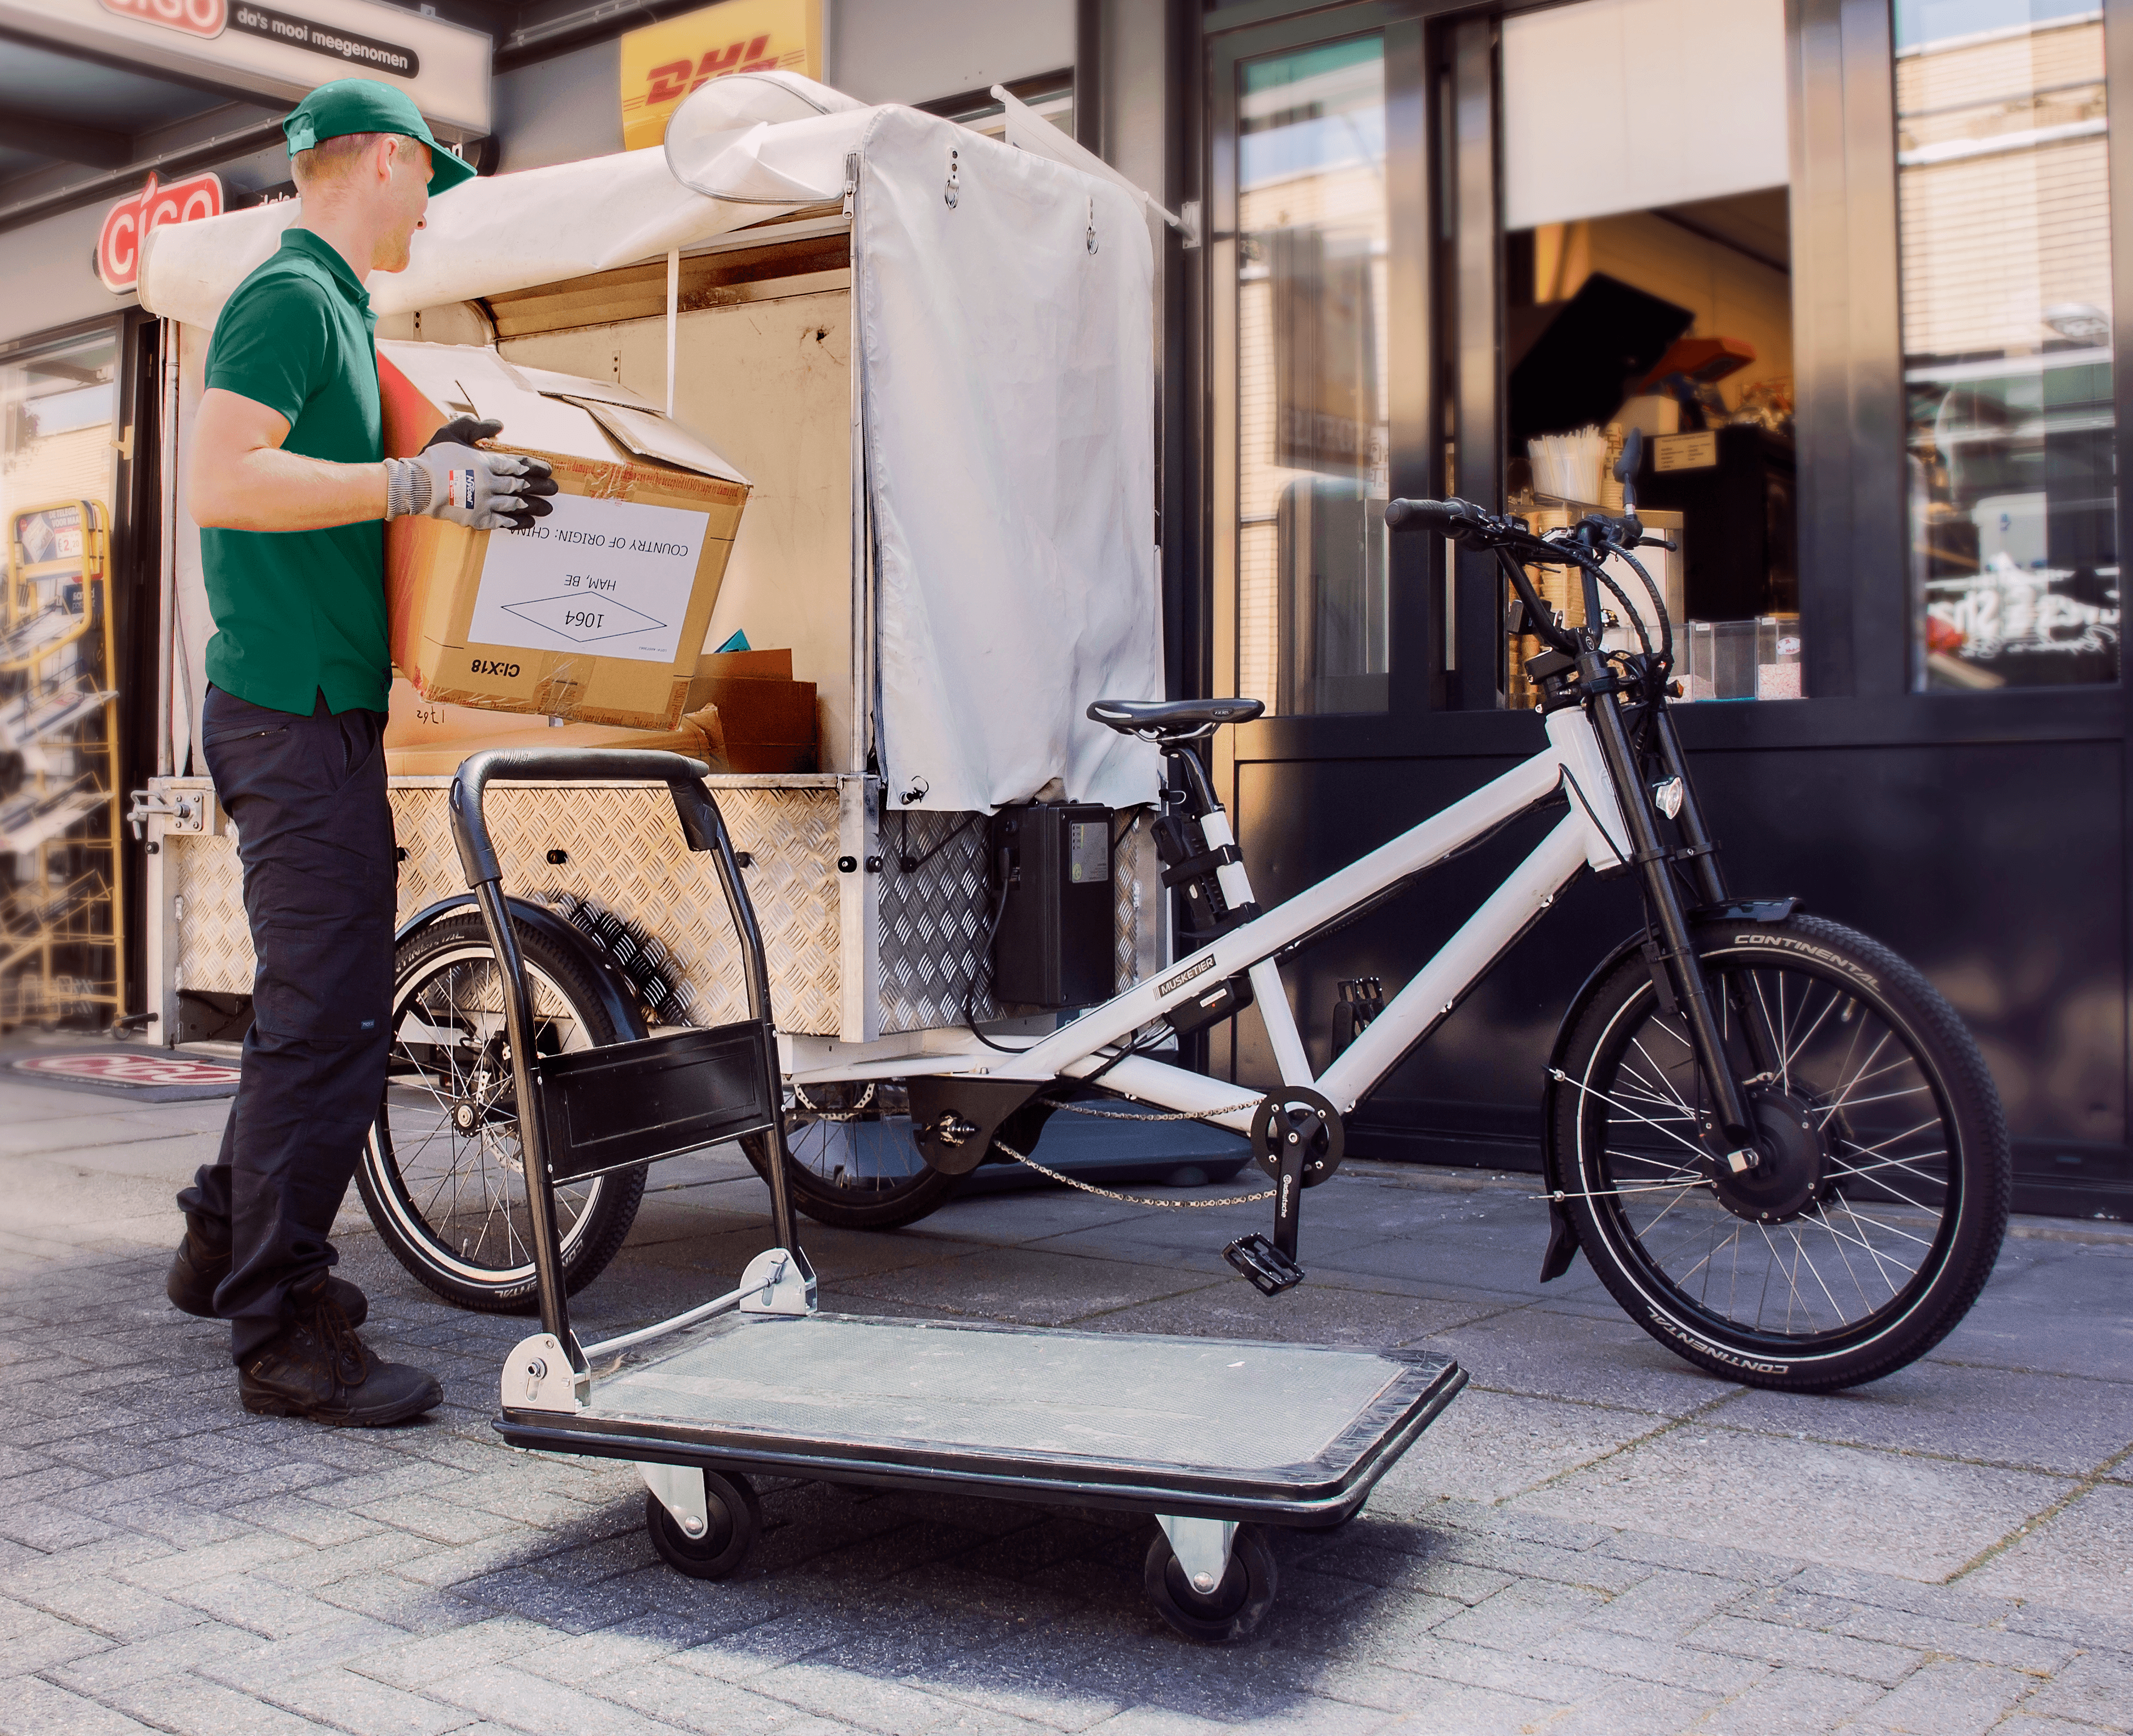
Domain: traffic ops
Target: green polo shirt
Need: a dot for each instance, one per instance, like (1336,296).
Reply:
(302,613)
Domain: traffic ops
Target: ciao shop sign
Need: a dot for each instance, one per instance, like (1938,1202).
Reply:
(210,18)
(127,225)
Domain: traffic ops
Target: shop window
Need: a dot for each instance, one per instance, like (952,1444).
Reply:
(1312,424)
(2006,253)
(57,408)
(1647,284)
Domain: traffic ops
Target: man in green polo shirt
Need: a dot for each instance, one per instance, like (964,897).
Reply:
(290,486)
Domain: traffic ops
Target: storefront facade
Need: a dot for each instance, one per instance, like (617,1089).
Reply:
(1852,263)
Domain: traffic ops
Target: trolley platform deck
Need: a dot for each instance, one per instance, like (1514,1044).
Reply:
(1284,1434)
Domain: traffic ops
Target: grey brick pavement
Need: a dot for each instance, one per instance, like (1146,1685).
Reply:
(1594,1539)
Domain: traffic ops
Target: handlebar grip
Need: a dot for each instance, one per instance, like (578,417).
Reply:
(1444,516)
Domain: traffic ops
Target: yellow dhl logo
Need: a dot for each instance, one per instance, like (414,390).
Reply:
(677,79)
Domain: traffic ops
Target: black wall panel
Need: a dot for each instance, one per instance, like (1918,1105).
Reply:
(1998,869)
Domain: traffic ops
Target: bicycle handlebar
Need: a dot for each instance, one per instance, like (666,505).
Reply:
(1475,527)
(1447,517)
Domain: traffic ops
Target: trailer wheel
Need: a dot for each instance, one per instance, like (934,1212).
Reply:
(442,1175)
(1233,1611)
(854,1162)
(736,1517)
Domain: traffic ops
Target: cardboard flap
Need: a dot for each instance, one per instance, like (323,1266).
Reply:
(577,387)
(545,411)
(650,435)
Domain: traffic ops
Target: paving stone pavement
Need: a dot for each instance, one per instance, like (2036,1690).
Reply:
(1596,1538)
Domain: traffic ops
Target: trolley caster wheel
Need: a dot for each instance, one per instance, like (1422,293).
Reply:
(1230,1613)
(736,1517)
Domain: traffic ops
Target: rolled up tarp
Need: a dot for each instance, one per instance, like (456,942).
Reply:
(497,233)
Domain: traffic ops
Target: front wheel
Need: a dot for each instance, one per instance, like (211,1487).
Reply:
(1875,1214)
(1225,1614)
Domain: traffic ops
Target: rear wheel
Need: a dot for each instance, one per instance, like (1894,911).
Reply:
(1875,1214)
(855,1163)
(443,1175)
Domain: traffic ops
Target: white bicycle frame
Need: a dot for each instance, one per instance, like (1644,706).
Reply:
(1592,833)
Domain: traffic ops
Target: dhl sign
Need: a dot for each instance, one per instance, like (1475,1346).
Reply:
(127,225)
(662,63)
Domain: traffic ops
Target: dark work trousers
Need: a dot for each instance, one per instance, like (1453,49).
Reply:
(315,834)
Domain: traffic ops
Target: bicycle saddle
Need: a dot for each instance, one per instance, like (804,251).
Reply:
(1172,717)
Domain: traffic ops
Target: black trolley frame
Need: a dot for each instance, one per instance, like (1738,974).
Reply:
(583,1115)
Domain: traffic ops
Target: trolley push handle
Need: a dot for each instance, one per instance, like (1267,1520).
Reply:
(702,826)
(563,766)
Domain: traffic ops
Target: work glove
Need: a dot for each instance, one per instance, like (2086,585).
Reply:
(451,479)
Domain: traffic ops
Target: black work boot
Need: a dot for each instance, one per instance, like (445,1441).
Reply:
(320,1370)
(198,1267)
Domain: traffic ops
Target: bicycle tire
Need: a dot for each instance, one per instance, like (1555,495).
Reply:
(402,1176)
(1851,1198)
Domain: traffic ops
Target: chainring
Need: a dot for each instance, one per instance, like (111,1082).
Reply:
(1298,1113)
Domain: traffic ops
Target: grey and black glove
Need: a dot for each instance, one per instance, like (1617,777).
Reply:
(451,479)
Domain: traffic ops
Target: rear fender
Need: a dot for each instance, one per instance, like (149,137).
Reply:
(618,999)
(1562,1230)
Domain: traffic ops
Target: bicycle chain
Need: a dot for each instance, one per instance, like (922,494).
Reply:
(1083,1108)
(1105,1193)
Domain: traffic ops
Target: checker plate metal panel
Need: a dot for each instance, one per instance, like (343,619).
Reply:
(631,884)
(931,922)
(628,881)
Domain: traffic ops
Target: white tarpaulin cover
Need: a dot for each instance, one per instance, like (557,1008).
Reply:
(1008,392)
(1007,383)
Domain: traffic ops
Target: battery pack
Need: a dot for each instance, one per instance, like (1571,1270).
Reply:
(1053,947)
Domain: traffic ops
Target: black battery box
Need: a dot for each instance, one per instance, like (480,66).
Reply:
(1053,946)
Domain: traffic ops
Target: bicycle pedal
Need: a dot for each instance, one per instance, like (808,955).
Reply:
(1268,1268)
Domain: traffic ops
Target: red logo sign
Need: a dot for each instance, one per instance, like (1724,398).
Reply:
(677,78)
(195,17)
(127,225)
(131,1069)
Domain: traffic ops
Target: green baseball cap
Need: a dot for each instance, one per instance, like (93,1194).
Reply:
(363,105)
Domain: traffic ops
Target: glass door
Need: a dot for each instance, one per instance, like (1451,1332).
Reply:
(1318,332)
(1312,417)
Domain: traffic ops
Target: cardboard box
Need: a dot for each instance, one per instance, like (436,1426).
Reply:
(768,719)
(596,613)
(770,726)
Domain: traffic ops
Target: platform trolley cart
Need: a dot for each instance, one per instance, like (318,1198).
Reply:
(1215,1438)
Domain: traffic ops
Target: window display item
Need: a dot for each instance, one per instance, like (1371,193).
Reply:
(1778,657)
(597,613)
(1569,466)
(1732,659)
(1693,659)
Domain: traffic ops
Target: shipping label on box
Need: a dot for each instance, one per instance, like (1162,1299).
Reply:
(610,576)
(597,611)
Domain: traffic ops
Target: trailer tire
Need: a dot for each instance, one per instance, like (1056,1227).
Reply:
(454,1214)
(852,1162)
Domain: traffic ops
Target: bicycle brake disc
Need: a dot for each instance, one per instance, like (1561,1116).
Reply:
(1296,1114)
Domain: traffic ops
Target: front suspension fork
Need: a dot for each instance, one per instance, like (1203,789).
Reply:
(1764,1047)
(1651,855)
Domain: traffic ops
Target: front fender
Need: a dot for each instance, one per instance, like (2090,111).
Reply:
(1562,1230)
(618,999)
